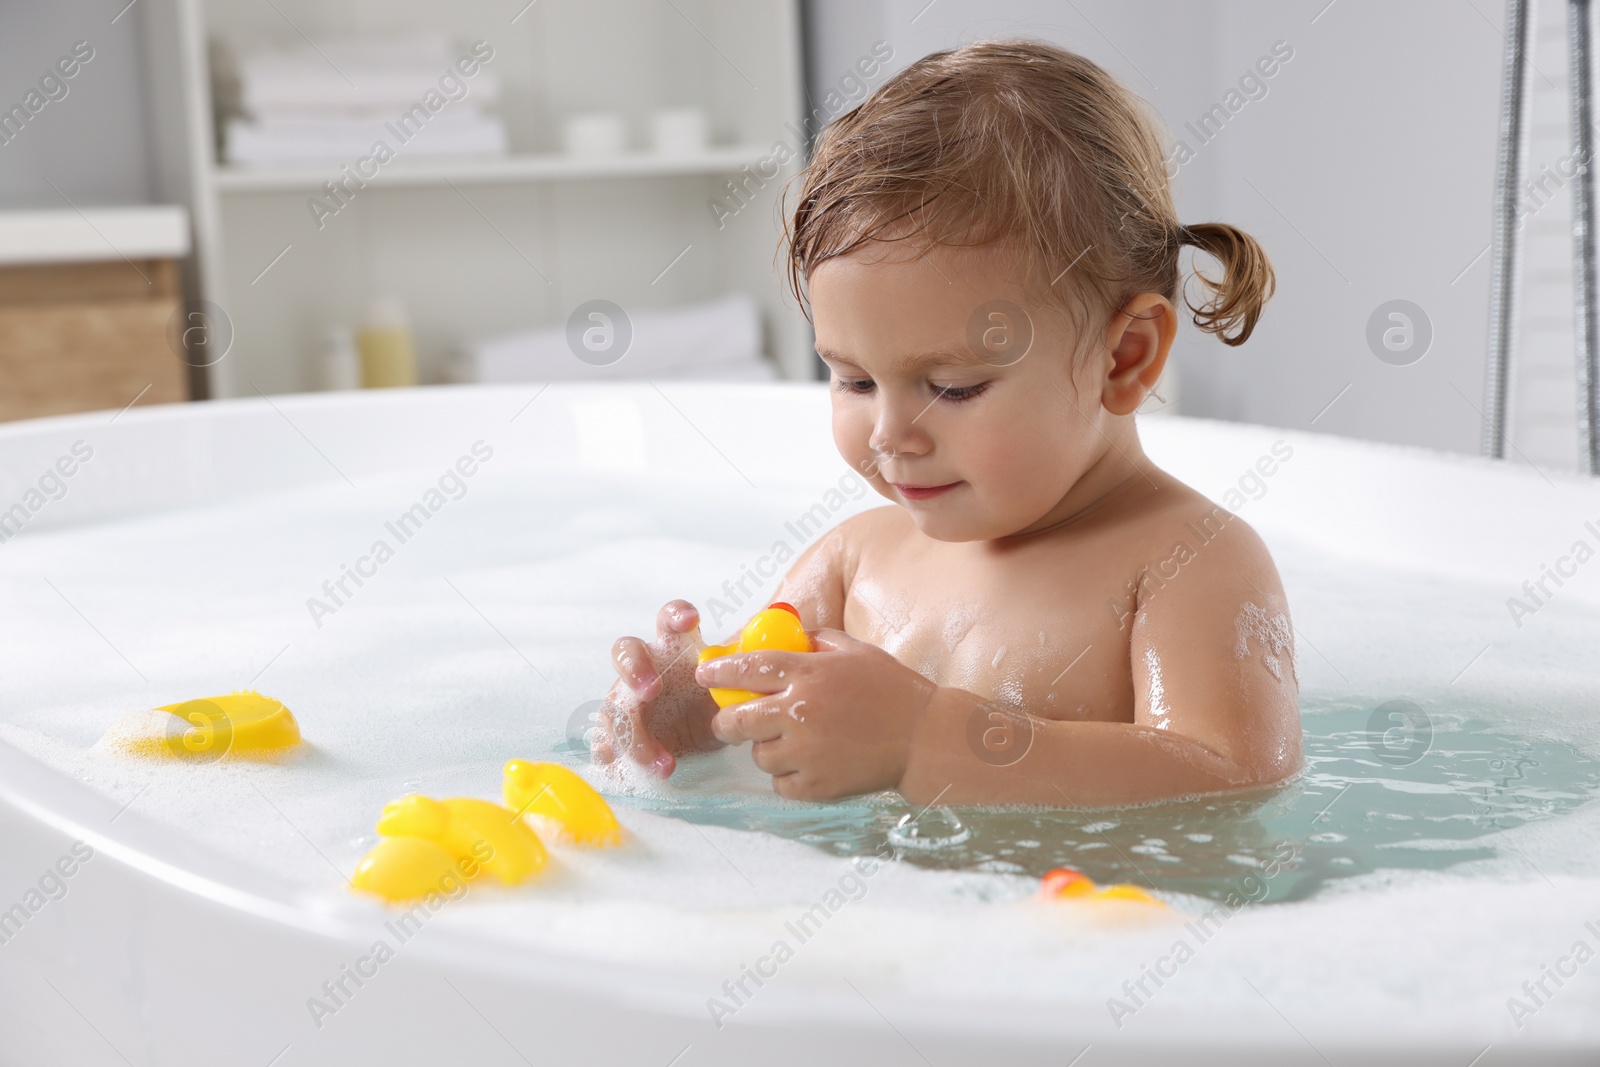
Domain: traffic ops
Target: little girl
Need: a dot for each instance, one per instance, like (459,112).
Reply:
(1043,616)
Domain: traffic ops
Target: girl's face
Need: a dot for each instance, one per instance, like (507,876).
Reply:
(955,398)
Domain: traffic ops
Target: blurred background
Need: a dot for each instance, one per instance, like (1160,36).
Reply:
(194,202)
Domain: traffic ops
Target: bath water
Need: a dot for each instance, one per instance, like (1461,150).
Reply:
(1451,756)
(1366,801)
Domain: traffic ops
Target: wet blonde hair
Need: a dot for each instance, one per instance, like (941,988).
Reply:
(1023,144)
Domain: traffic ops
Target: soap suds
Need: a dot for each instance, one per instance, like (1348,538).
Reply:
(406,689)
(1271,631)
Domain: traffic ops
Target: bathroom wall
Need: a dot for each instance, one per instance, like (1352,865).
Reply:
(91,143)
(1366,170)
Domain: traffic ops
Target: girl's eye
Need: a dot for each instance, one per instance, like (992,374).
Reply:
(953,393)
(958,393)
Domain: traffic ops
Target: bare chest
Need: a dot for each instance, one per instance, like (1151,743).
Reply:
(1052,639)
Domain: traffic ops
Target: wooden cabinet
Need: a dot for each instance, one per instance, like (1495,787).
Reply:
(79,332)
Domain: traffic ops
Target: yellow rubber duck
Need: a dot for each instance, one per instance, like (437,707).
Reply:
(1064,883)
(551,791)
(427,844)
(428,841)
(243,724)
(777,627)
(405,868)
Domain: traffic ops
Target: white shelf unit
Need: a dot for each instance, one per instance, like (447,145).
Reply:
(549,166)
(479,247)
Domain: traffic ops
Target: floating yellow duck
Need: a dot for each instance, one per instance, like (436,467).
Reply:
(777,627)
(427,844)
(243,724)
(1064,883)
(551,791)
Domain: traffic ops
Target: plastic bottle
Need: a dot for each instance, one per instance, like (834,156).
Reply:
(387,356)
(340,367)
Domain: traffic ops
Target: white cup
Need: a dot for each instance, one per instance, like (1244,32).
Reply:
(680,131)
(598,133)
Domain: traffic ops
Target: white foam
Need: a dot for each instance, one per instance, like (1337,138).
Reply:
(422,684)
(1269,629)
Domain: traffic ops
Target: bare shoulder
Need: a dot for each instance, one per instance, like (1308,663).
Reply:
(1212,645)
(867,535)
(817,580)
(844,543)
(1184,529)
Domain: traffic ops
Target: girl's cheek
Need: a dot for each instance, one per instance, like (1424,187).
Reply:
(850,436)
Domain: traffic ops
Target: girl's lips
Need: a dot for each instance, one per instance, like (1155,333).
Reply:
(923,492)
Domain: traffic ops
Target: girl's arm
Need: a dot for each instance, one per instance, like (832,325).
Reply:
(656,711)
(1215,704)
(815,584)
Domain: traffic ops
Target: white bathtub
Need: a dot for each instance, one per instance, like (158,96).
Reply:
(186,941)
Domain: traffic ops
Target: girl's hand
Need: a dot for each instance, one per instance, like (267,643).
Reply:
(835,723)
(655,711)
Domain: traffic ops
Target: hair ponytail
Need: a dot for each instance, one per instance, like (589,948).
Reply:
(1247,281)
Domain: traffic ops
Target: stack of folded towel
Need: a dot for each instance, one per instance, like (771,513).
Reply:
(716,340)
(331,101)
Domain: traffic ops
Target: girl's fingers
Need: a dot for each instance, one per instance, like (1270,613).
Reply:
(643,747)
(676,617)
(624,728)
(772,757)
(759,672)
(754,720)
(828,639)
(635,667)
(600,747)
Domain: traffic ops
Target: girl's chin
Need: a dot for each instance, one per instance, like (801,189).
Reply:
(949,527)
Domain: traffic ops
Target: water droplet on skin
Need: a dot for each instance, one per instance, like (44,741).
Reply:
(1158,709)
(998,656)
(794,711)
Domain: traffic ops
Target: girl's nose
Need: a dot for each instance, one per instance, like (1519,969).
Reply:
(896,430)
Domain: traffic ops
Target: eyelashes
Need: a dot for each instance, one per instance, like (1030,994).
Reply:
(949,393)
(957,395)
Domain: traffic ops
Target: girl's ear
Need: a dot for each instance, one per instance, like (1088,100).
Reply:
(1138,339)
